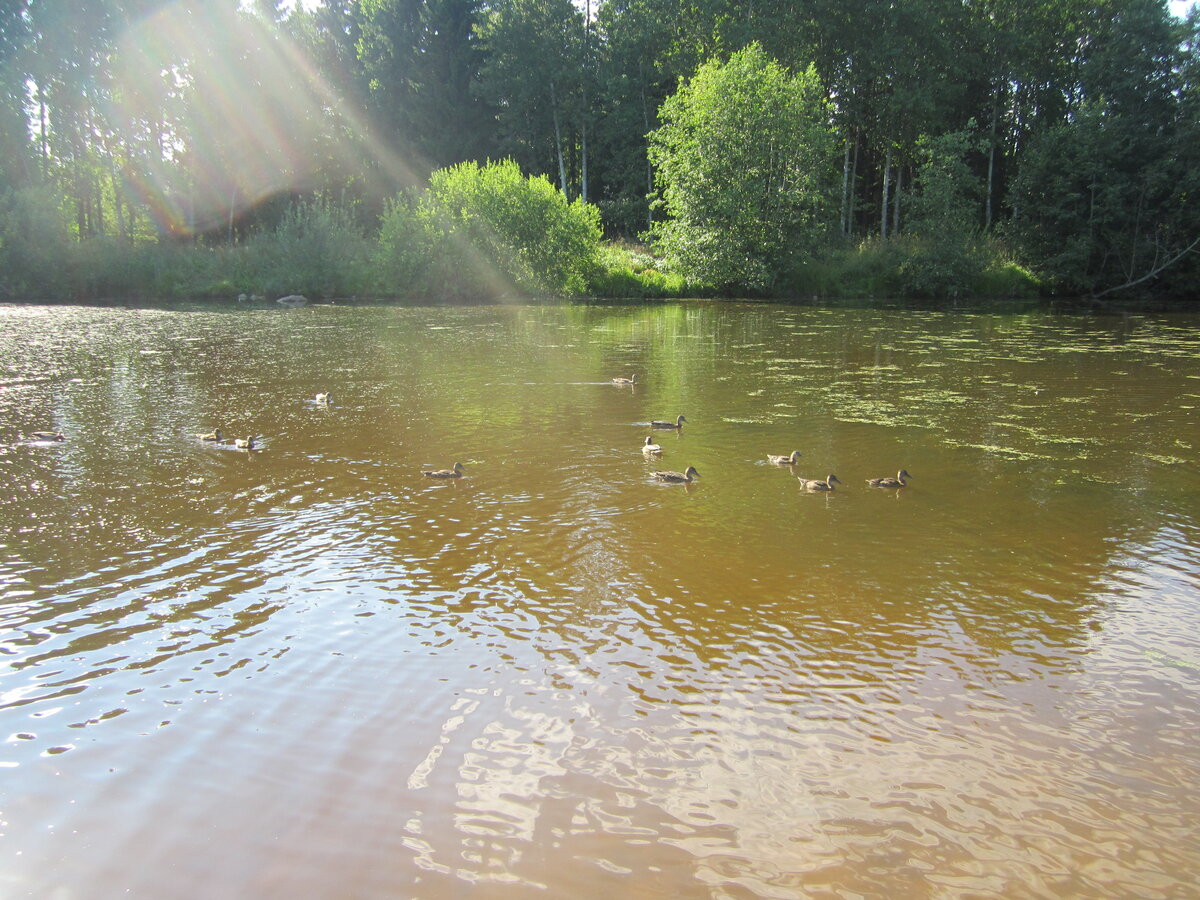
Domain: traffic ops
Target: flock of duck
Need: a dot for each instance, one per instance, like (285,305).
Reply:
(650,449)
(251,443)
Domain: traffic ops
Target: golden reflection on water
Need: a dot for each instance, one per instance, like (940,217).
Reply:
(558,676)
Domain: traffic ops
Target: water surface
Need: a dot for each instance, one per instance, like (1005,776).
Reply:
(311,671)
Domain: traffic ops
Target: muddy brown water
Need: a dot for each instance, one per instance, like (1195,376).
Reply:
(309,670)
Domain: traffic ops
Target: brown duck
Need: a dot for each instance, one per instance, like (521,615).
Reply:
(826,485)
(678,477)
(901,480)
(456,472)
(785,460)
(678,423)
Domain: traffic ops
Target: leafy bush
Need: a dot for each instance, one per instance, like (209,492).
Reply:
(522,226)
(487,230)
(34,242)
(401,258)
(627,273)
(745,166)
(316,249)
(945,256)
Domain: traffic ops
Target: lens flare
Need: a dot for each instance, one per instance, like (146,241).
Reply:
(224,111)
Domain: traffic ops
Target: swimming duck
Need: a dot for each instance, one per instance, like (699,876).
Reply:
(785,460)
(47,436)
(214,436)
(677,477)
(246,443)
(826,485)
(456,472)
(632,379)
(678,423)
(898,482)
(650,447)
(324,398)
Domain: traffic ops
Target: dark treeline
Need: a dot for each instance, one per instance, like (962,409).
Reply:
(1058,135)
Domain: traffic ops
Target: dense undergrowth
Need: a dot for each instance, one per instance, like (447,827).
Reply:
(421,253)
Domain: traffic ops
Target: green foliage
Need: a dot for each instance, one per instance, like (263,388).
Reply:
(627,273)
(317,249)
(400,261)
(1104,204)
(1088,124)
(486,230)
(422,60)
(34,243)
(744,165)
(942,233)
(534,77)
(878,268)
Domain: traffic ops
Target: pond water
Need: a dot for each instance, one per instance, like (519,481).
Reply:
(309,670)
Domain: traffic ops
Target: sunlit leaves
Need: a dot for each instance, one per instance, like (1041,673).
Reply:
(744,166)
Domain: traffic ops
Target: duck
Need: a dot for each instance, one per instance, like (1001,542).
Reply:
(678,477)
(678,423)
(826,485)
(785,460)
(898,482)
(47,436)
(246,443)
(456,472)
(214,436)
(632,379)
(650,447)
(325,398)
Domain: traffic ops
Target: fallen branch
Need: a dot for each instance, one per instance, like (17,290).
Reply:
(1154,271)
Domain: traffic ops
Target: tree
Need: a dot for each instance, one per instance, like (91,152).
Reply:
(1106,197)
(943,219)
(745,170)
(16,163)
(535,76)
(422,59)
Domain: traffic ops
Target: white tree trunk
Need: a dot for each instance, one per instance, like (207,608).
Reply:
(896,200)
(649,167)
(583,133)
(887,177)
(987,215)
(845,223)
(562,166)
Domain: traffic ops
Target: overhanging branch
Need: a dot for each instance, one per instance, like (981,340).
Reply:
(1153,272)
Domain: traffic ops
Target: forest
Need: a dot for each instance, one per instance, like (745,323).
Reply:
(623,148)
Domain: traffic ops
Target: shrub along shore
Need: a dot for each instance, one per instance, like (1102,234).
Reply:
(476,233)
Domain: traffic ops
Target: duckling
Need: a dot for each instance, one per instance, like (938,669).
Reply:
(678,478)
(47,436)
(678,423)
(324,398)
(650,448)
(632,379)
(785,460)
(826,485)
(456,472)
(898,482)
(213,436)
(249,443)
